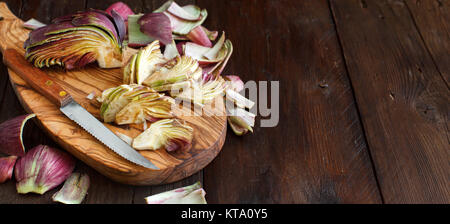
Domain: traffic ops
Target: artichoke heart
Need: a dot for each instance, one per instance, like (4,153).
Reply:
(75,40)
(170,134)
(143,64)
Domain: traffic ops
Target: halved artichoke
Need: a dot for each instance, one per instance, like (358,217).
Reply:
(202,92)
(143,64)
(146,107)
(170,134)
(116,98)
(75,40)
(177,70)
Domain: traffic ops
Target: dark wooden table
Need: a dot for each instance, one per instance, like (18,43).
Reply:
(364,102)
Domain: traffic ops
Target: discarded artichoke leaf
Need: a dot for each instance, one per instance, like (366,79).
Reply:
(170,134)
(212,53)
(157,26)
(33,24)
(192,194)
(146,107)
(218,70)
(6,167)
(238,99)
(240,120)
(11,131)
(183,27)
(234,82)
(74,189)
(189,12)
(178,70)
(171,51)
(212,35)
(122,9)
(147,61)
(41,169)
(136,38)
(199,36)
(195,51)
(125,138)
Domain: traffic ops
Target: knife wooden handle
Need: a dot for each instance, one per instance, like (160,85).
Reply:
(36,78)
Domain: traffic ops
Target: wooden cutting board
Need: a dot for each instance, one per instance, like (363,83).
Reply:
(209,128)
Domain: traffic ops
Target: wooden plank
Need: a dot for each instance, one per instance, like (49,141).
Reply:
(136,5)
(402,99)
(45,11)
(432,19)
(317,153)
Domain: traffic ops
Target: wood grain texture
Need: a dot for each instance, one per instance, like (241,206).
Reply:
(402,99)
(317,153)
(209,131)
(432,19)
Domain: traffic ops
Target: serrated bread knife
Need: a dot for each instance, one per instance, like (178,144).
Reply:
(46,86)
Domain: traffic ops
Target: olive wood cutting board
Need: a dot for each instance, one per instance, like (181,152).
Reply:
(209,124)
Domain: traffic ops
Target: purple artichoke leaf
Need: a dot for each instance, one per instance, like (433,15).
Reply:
(156,25)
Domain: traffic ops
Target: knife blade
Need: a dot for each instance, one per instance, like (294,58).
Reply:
(46,86)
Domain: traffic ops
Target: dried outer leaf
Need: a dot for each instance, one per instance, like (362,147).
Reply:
(122,9)
(178,70)
(146,107)
(11,131)
(113,100)
(192,194)
(6,167)
(170,134)
(135,37)
(42,169)
(74,189)
(212,35)
(33,24)
(238,99)
(157,26)
(199,36)
(234,82)
(171,51)
(148,60)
